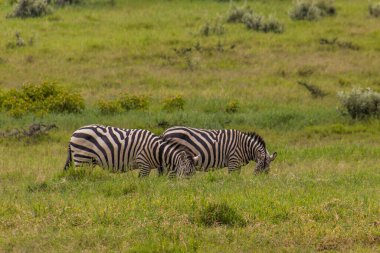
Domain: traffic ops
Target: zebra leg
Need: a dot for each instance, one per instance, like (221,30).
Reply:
(69,159)
(144,168)
(234,166)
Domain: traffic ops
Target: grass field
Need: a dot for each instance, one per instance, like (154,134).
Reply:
(322,192)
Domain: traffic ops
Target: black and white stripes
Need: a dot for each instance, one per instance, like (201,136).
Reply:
(123,149)
(223,148)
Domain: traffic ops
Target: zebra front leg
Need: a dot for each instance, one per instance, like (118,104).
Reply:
(144,168)
(234,166)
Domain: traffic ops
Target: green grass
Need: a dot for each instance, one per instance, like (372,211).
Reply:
(322,192)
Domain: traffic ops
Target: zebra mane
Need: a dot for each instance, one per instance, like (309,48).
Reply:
(256,137)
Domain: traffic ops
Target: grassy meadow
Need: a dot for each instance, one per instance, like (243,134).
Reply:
(322,193)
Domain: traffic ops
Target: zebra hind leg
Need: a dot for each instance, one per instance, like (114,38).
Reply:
(68,160)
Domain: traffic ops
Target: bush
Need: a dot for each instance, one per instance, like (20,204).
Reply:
(236,14)
(232,106)
(312,10)
(109,107)
(374,10)
(134,102)
(174,103)
(360,103)
(219,214)
(326,7)
(216,27)
(125,103)
(258,23)
(40,99)
(31,8)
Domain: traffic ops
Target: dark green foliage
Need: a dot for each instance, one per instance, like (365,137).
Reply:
(40,99)
(31,8)
(360,103)
(215,214)
(174,103)
(314,90)
(232,106)
(374,10)
(312,10)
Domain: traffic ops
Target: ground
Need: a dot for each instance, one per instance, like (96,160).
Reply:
(322,192)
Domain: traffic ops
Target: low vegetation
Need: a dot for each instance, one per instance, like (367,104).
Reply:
(30,8)
(173,103)
(40,99)
(315,91)
(321,193)
(253,20)
(232,106)
(360,103)
(312,9)
(215,27)
(374,9)
(216,214)
(122,104)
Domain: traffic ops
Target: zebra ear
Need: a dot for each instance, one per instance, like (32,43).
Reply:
(196,158)
(272,157)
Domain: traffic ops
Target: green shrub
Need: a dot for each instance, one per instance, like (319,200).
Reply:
(124,103)
(305,10)
(41,99)
(219,214)
(312,10)
(31,8)
(236,14)
(215,27)
(232,106)
(326,7)
(258,23)
(374,10)
(134,102)
(360,103)
(109,107)
(174,103)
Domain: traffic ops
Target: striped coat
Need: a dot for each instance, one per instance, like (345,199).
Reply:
(223,148)
(124,149)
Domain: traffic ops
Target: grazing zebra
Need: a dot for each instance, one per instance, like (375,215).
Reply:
(223,148)
(122,149)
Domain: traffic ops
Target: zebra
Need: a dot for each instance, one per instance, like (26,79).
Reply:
(223,148)
(124,149)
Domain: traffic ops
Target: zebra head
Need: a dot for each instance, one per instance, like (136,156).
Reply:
(264,161)
(185,166)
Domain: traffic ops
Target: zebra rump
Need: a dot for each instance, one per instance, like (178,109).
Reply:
(223,148)
(121,150)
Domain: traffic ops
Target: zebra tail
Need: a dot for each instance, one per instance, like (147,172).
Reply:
(69,158)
